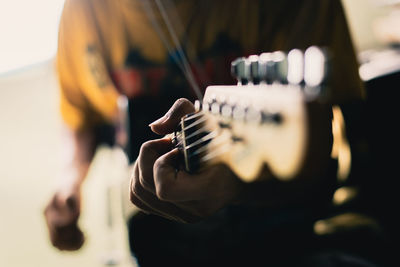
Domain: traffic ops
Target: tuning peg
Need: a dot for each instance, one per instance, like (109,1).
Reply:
(315,71)
(215,108)
(207,103)
(197,105)
(239,112)
(266,68)
(227,111)
(240,69)
(253,115)
(273,67)
(315,66)
(295,74)
(253,62)
(280,66)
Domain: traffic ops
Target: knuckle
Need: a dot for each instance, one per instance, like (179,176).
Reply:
(163,191)
(186,105)
(146,146)
(181,107)
(131,196)
(144,183)
(134,200)
(181,101)
(163,187)
(158,166)
(135,186)
(141,181)
(160,169)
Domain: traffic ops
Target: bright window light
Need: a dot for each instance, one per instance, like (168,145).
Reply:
(28,32)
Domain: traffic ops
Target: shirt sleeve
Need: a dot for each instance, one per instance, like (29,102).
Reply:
(87,94)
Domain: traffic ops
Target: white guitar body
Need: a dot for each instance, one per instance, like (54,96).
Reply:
(105,210)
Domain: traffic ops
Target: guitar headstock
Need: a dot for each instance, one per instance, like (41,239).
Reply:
(261,120)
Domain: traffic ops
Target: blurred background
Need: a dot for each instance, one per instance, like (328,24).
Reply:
(30,124)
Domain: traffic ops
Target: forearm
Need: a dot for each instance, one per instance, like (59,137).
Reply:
(63,210)
(78,151)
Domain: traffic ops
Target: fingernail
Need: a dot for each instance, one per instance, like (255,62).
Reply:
(158,121)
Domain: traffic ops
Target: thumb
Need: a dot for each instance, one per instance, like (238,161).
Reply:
(168,123)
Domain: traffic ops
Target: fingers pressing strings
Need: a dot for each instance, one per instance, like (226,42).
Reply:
(143,190)
(179,186)
(149,153)
(137,198)
(150,203)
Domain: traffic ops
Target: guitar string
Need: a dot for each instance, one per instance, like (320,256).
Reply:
(182,64)
(199,121)
(151,16)
(181,61)
(193,115)
(210,154)
(215,153)
(202,75)
(205,148)
(216,141)
(206,138)
(178,135)
(210,136)
(198,132)
(175,39)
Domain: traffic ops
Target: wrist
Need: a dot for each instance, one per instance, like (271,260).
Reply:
(70,180)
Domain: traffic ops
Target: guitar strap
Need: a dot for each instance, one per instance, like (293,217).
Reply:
(179,55)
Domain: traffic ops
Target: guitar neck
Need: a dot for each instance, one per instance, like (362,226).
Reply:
(261,121)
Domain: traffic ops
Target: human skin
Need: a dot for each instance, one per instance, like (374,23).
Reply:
(160,187)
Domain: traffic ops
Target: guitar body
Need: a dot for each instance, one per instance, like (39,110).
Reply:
(105,210)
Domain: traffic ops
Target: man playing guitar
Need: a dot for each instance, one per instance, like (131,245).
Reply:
(153,52)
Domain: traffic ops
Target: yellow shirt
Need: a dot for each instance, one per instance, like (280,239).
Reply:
(97,36)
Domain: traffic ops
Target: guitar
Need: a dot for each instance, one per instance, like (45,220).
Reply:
(106,209)
(262,120)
